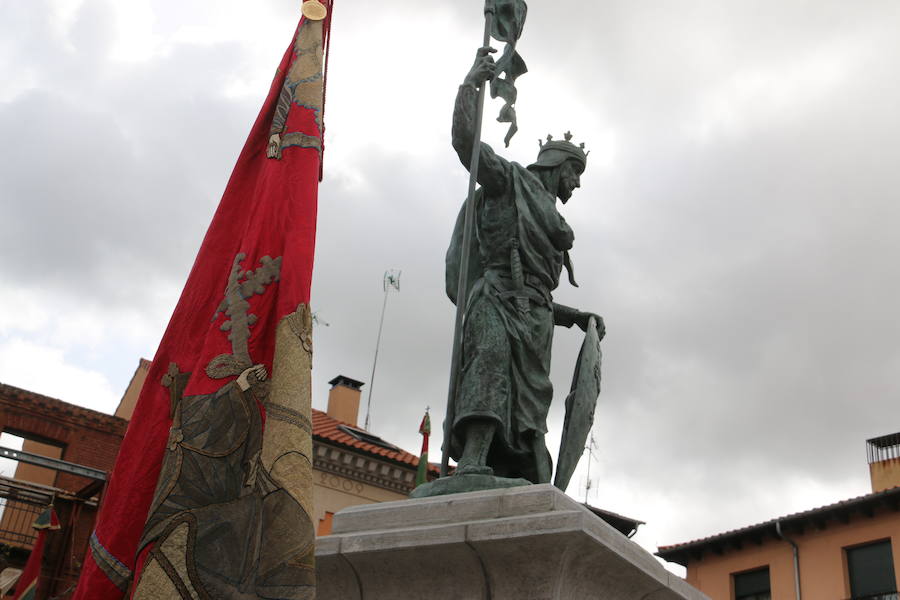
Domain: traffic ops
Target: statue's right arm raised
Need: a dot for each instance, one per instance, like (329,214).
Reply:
(492,170)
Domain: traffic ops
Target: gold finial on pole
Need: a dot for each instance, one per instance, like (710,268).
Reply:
(314,10)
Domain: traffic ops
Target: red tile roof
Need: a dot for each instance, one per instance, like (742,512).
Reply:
(866,502)
(327,429)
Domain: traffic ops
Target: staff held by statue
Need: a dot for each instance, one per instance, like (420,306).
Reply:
(503,20)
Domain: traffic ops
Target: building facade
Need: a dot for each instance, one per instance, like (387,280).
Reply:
(352,466)
(846,550)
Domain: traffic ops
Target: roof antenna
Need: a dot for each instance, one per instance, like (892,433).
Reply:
(391,280)
(588,483)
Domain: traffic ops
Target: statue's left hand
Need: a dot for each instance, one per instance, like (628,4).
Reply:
(583,318)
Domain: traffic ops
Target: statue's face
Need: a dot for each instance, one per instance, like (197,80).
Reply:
(569,179)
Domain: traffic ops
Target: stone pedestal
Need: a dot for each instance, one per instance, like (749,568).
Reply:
(526,543)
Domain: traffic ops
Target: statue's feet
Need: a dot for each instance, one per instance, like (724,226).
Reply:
(472,481)
(473,469)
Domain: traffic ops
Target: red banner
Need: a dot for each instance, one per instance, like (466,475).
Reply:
(28,581)
(251,275)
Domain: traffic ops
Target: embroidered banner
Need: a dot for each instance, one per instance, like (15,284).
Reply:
(212,489)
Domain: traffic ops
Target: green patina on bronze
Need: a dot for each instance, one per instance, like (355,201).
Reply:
(519,247)
(506,26)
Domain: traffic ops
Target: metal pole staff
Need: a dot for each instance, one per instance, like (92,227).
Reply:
(388,281)
(462,288)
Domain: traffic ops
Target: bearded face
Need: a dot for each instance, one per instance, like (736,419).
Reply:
(569,179)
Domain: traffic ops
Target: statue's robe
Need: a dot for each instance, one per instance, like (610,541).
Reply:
(505,354)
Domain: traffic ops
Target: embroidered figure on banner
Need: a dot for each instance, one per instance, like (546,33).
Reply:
(303,87)
(241,286)
(221,525)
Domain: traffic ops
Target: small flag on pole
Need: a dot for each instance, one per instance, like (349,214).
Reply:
(31,574)
(507,26)
(425,430)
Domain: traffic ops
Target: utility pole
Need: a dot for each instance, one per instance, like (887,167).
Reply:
(391,280)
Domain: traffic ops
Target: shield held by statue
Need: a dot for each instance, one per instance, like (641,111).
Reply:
(580,404)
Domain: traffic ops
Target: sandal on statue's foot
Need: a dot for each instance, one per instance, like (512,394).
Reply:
(473,470)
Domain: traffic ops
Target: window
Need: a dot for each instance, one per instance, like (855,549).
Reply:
(871,572)
(752,585)
(19,440)
(364,436)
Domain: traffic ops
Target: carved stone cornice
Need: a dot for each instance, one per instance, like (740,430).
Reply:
(354,465)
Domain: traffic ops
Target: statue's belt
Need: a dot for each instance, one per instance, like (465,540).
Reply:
(534,289)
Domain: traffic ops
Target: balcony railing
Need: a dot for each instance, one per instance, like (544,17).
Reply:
(20,504)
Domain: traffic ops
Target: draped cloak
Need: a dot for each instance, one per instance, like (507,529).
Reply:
(505,359)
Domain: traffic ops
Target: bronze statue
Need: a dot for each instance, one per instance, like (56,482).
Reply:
(519,246)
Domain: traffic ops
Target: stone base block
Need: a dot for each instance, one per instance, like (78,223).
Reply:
(523,543)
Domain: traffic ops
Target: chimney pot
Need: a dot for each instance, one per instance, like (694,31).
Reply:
(884,461)
(343,399)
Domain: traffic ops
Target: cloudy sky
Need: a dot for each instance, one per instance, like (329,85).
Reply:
(736,225)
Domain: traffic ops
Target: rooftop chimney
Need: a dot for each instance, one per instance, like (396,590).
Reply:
(884,461)
(343,399)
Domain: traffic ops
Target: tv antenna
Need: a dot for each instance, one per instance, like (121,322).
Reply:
(590,450)
(391,280)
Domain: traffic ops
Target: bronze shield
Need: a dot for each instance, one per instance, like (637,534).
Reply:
(580,404)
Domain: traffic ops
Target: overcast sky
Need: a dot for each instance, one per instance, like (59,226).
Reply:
(736,224)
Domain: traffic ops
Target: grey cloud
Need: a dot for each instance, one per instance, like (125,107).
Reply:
(747,273)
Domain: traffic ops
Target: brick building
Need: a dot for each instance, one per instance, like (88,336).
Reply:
(58,430)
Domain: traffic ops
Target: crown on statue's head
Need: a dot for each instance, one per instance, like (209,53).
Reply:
(555,152)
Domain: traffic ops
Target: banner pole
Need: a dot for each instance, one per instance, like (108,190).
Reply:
(462,287)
